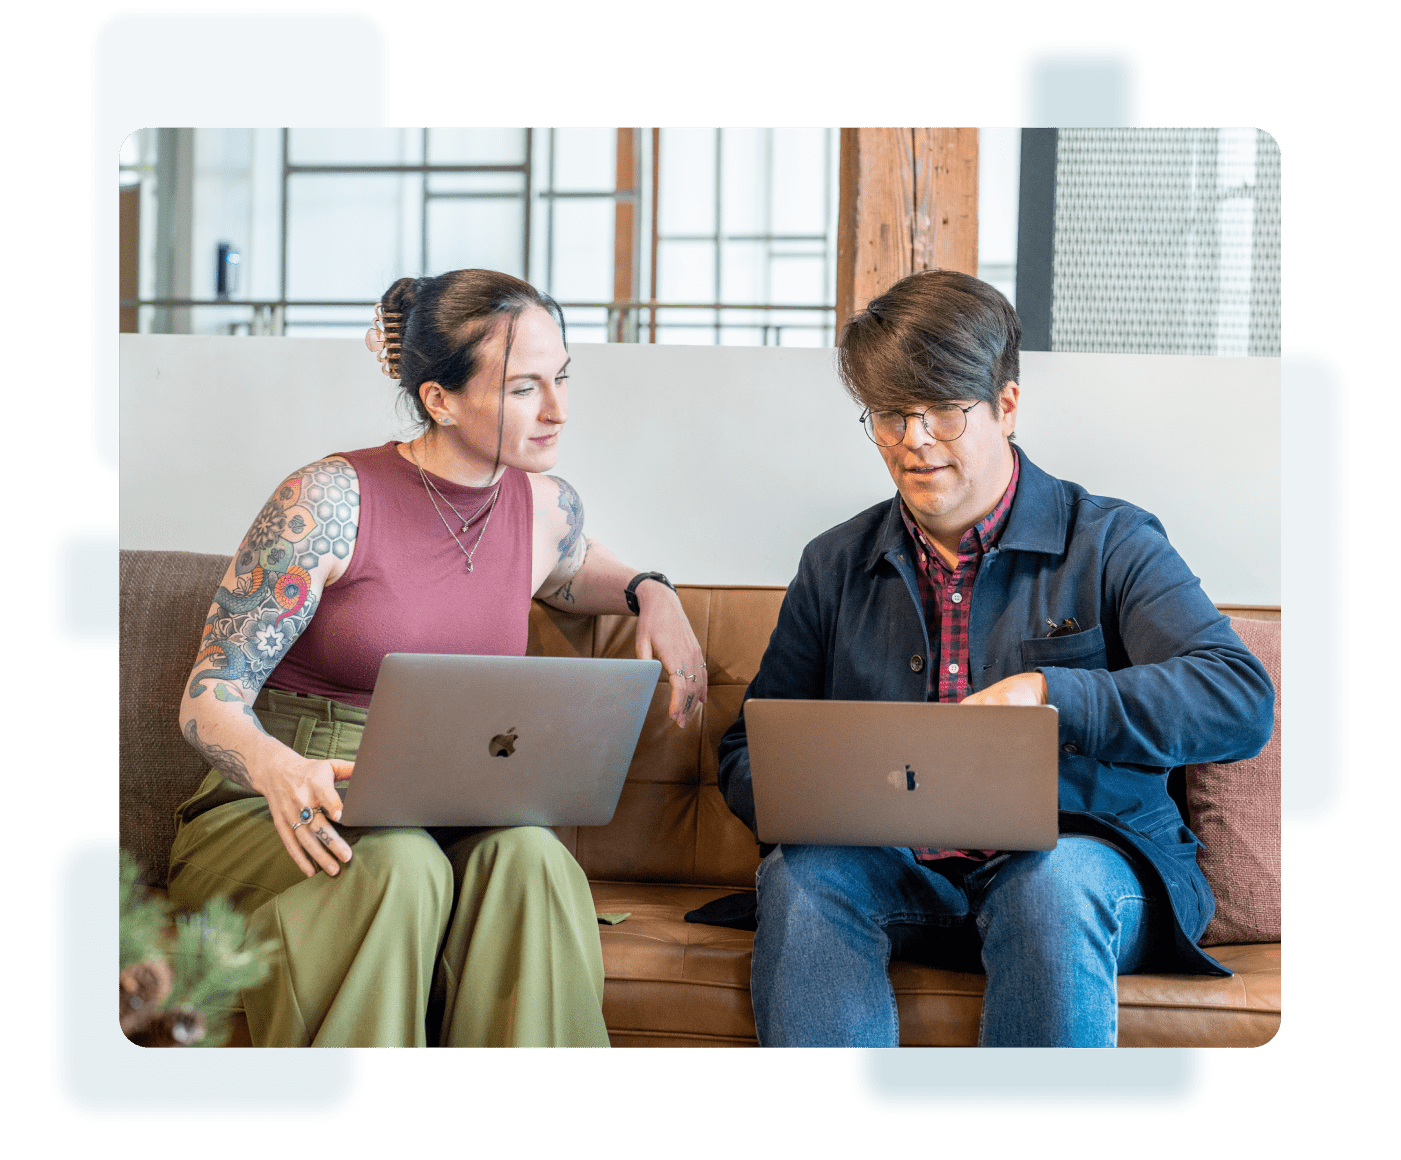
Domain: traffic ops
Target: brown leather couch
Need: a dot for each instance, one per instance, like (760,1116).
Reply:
(673,845)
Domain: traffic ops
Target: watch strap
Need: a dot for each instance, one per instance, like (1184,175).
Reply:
(630,592)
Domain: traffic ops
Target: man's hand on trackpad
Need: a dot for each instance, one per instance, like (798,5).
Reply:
(1019,689)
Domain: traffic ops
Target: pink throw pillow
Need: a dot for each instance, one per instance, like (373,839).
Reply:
(1235,811)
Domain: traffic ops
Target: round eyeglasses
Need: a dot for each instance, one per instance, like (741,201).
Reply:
(943,421)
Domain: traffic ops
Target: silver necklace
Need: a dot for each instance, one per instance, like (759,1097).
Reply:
(488,506)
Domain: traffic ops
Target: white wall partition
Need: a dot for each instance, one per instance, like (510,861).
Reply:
(712,464)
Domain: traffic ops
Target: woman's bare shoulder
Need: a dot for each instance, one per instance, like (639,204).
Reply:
(558,507)
(310,520)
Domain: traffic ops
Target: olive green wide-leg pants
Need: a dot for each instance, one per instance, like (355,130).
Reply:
(498,925)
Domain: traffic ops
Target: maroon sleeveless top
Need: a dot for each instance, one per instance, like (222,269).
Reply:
(407,588)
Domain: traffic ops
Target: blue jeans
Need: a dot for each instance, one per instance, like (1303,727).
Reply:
(1051,928)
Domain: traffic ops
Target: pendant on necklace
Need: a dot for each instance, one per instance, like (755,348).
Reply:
(464,529)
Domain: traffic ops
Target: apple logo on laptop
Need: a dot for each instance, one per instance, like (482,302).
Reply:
(907,776)
(503,744)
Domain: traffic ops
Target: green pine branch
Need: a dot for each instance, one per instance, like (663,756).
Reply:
(209,959)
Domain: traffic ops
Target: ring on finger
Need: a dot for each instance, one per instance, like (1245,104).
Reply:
(295,825)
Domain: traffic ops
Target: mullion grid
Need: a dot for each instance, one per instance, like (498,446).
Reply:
(770,240)
(533,194)
(426,169)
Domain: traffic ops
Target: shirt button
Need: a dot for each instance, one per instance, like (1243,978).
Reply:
(1068,748)
(953,668)
(957,597)
(917,662)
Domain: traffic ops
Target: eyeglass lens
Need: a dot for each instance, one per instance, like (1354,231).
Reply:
(944,422)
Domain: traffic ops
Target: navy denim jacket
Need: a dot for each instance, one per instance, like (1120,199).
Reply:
(1155,679)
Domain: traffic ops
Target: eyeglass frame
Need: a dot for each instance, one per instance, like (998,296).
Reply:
(923,419)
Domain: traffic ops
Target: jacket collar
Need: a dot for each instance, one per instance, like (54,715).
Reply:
(1038,521)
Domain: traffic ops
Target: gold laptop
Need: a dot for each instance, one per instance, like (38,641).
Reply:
(881,773)
(498,741)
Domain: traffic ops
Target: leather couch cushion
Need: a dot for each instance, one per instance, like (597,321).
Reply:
(674,983)
(671,824)
(1235,811)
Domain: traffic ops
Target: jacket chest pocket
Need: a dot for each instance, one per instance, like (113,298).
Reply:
(1079,650)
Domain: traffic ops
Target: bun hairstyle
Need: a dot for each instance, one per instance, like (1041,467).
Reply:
(935,336)
(434,327)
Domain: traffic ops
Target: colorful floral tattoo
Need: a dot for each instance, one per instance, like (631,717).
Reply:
(314,514)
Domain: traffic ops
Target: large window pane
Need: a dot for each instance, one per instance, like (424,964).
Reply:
(583,250)
(800,184)
(744,183)
(476,233)
(585,159)
(351,236)
(686,271)
(686,200)
(744,272)
(796,278)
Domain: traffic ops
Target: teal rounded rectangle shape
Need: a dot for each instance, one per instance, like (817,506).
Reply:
(1030,1080)
(83,587)
(1314,502)
(1078,83)
(290,66)
(97,1073)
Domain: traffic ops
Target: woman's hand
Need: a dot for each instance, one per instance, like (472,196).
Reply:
(664,632)
(302,798)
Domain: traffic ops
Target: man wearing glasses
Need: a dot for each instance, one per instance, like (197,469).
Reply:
(987,581)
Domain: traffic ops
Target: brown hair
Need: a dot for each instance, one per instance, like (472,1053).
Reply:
(935,336)
(443,321)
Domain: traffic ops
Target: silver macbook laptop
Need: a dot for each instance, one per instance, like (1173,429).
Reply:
(498,741)
(878,773)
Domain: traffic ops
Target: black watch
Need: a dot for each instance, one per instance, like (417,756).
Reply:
(630,592)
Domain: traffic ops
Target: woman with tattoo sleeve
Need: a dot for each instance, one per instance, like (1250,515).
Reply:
(434,545)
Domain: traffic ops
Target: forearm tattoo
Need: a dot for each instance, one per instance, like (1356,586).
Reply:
(314,514)
(229,762)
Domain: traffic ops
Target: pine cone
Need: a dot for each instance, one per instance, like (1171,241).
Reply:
(142,988)
(173,1029)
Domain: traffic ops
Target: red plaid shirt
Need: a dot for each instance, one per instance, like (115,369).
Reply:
(947,596)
